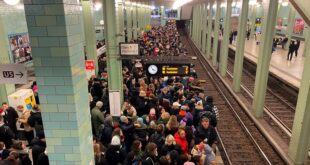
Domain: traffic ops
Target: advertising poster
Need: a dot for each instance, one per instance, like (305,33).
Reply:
(299,26)
(20,48)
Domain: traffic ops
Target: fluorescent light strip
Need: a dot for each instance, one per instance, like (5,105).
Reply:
(179,3)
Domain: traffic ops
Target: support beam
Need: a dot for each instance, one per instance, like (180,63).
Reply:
(204,28)
(224,46)
(299,144)
(290,26)
(129,22)
(89,31)
(238,65)
(120,21)
(134,20)
(114,64)
(264,57)
(253,20)
(216,32)
(209,29)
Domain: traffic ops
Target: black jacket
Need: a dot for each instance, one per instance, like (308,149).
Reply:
(158,139)
(202,133)
(6,135)
(115,155)
(35,121)
(10,118)
(166,149)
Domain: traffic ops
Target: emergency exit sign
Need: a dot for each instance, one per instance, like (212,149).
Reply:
(13,74)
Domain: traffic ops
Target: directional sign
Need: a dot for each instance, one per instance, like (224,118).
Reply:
(13,74)
(168,69)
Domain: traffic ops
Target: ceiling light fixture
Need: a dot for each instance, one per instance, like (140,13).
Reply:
(178,3)
(284,3)
(12,2)
(97,6)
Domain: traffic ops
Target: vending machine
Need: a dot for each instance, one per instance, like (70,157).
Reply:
(24,97)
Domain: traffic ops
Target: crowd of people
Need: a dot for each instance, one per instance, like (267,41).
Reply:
(21,130)
(163,120)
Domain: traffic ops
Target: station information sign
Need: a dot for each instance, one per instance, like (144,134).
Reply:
(168,69)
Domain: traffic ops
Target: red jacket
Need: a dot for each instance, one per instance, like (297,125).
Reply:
(182,142)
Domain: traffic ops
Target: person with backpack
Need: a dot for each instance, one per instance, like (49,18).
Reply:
(105,134)
(35,119)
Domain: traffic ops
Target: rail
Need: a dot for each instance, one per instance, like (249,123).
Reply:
(261,152)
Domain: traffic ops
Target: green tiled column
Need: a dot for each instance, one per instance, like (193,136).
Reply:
(199,25)
(120,21)
(204,28)
(224,46)
(290,26)
(90,35)
(191,28)
(238,65)
(55,30)
(194,24)
(114,63)
(209,29)
(264,57)
(129,21)
(253,19)
(134,20)
(307,41)
(5,89)
(162,17)
(298,148)
(216,32)
(139,23)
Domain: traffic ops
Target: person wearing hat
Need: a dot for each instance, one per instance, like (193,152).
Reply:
(141,132)
(97,117)
(198,110)
(205,131)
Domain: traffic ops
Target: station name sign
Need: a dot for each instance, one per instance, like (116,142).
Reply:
(129,49)
(168,69)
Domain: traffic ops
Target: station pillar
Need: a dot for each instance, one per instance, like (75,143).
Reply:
(134,20)
(89,31)
(299,144)
(204,28)
(224,45)
(199,26)
(209,29)
(264,57)
(120,21)
(194,23)
(162,16)
(129,22)
(238,65)
(115,82)
(290,26)
(55,31)
(253,20)
(5,89)
(216,32)
(307,41)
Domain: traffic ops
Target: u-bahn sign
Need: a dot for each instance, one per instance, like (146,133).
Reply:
(13,74)
(168,69)
(129,49)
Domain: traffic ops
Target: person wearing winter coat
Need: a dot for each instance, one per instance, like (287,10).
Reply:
(158,137)
(180,138)
(35,119)
(115,154)
(170,145)
(205,132)
(151,154)
(128,129)
(141,132)
(97,117)
(10,117)
(38,147)
(106,134)
(6,134)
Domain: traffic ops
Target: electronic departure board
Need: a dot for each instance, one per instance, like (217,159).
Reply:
(165,69)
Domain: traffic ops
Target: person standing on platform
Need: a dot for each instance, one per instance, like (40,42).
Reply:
(258,37)
(10,117)
(231,37)
(291,51)
(248,34)
(297,47)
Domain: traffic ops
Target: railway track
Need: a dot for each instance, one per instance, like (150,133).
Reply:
(240,141)
(278,110)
